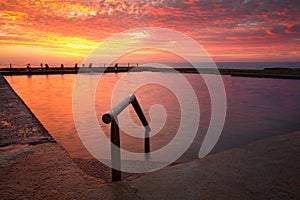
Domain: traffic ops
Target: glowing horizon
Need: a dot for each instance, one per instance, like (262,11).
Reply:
(67,31)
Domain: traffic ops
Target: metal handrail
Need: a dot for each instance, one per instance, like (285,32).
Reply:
(112,117)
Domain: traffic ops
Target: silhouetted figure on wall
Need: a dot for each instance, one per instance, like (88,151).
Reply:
(90,66)
(62,66)
(116,67)
(76,66)
(41,65)
(46,66)
(28,67)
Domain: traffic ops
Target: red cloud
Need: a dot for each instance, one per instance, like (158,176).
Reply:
(213,23)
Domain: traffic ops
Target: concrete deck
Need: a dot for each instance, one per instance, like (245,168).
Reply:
(266,169)
(34,166)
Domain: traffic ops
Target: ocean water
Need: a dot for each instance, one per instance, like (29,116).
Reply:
(256,108)
(241,65)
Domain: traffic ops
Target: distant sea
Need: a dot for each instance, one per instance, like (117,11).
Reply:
(229,65)
(242,65)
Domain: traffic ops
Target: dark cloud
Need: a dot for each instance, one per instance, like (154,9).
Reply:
(295,28)
(280,29)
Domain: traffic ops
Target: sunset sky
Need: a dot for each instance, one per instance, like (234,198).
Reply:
(65,31)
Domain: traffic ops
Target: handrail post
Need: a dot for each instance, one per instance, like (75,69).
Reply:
(111,117)
(147,140)
(115,151)
(143,119)
(139,112)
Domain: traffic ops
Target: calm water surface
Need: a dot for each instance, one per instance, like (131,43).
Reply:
(256,108)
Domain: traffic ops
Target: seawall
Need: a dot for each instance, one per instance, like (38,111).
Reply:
(285,73)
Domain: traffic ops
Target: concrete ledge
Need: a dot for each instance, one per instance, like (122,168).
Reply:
(265,169)
(43,171)
(285,73)
(18,125)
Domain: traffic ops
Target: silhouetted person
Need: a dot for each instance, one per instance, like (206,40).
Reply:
(116,67)
(10,66)
(46,66)
(41,65)
(62,66)
(90,66)
(76,66)
(28,67)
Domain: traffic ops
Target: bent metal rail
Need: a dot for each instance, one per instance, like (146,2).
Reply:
(112,117)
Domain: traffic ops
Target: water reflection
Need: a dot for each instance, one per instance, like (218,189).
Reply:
(257,108)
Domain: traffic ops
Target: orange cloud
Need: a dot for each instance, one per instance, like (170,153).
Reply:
(69,30)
